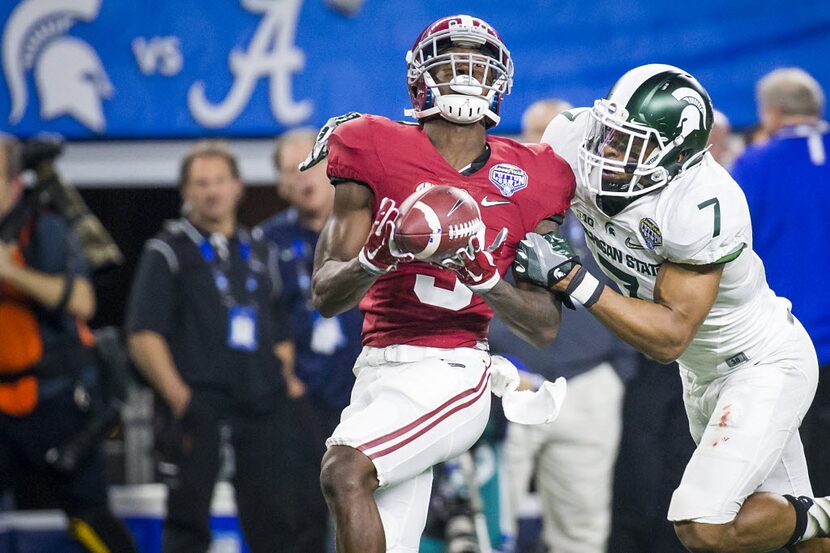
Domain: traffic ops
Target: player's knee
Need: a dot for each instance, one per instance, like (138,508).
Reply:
(700,538)
(345,472)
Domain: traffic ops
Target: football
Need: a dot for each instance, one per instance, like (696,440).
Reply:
(436,221)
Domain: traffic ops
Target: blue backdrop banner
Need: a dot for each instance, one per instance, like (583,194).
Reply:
(114,69)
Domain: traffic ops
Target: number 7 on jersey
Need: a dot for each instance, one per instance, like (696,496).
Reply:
(716,203)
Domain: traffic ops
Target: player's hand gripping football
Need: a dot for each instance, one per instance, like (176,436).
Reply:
(475,265)
(321,145)
(379,254)
(548,260)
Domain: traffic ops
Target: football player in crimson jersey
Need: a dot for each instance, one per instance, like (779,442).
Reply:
(672,228)
(423,378)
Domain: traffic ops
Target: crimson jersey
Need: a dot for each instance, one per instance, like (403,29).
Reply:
(519,186)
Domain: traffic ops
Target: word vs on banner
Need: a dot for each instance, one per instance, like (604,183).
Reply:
(270,54)
(159,55)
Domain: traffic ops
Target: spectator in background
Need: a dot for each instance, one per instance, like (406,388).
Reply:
(49,388)
(535,118)
(318,359)
(653,453)
(203,319)
(571,459)
(719,145)
(787,185)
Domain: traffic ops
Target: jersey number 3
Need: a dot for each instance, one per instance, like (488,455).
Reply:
(427,292)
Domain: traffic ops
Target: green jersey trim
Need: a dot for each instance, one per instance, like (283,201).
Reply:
(730,256)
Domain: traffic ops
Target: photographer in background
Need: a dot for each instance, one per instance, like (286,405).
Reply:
(49,388)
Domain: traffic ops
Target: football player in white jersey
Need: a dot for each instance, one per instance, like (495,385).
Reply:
(672,228)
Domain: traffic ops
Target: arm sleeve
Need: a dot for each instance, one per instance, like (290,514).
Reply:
(151,302)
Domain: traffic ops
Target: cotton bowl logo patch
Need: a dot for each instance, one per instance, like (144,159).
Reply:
(509,179)
(652,235)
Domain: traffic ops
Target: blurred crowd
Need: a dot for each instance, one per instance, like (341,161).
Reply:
(251,399)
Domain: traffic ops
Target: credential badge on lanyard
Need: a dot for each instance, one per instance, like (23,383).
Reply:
(242,316)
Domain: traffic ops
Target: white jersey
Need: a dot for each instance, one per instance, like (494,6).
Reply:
(698,218)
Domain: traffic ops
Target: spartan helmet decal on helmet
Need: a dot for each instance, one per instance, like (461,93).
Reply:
(692,117)
(653,125)
(463,87)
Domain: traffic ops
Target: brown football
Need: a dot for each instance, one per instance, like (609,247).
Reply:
(436,221)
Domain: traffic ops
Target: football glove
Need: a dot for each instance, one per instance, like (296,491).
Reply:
(321,145)
(546,259)
(475,265)
(379,254)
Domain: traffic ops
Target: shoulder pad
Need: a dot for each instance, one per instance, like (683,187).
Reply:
(565,133)
(705,220)
(353,152)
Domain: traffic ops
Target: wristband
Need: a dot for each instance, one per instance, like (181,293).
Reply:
(585,288)
(370,267)
(487,285)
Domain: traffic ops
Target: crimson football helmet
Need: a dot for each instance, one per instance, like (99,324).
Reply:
(471,84)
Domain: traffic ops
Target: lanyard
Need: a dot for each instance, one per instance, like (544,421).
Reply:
(214,260)
(800,131)
(815,139)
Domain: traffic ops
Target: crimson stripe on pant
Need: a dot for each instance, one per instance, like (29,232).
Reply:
(478,391)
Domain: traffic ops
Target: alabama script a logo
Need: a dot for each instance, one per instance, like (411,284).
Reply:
(270,54)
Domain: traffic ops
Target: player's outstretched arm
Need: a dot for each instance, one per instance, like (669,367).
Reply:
(529,310)
(663,329)
(339,280)
(683,296)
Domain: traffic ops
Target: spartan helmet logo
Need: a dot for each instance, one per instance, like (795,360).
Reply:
(69,77)
(693,116)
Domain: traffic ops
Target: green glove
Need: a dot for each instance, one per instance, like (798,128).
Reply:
(545,259)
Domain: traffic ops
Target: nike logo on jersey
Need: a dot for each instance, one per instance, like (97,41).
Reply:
(632,244)
(490,203)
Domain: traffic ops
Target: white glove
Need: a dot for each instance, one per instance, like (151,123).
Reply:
(541,406)
(504,376)
(525,407)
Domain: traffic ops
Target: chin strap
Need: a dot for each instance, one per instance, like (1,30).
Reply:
(459,108)
(456,112)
